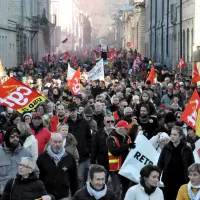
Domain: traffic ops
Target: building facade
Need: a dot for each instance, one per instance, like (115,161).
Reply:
(170,31)
(20,31)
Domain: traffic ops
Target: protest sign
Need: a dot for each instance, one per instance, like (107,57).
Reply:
(142,155)
(18,96)
(97,73)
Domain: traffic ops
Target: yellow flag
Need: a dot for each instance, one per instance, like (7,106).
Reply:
(198,124)
(2,71)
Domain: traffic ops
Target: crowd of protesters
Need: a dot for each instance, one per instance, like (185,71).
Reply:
(72,147)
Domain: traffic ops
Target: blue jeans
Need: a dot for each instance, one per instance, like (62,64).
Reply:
(82,170)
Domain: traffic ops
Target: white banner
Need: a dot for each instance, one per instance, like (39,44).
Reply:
(142,155)
(70,72)
(196,152)
(97,73)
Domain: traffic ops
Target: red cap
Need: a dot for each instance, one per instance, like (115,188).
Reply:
(36,115)
(170,90)
(123,123)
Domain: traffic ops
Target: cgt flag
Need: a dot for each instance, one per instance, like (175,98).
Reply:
(189,116)
(75,83)
(195,74)
(18,96)
(181,64)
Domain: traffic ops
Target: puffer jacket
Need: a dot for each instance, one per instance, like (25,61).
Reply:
(165,157)
(24,189)
(9,162)
(84,195)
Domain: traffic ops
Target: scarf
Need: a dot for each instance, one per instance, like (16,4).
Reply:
(57,157)
(144,120)
(147,190)
(191,193)
(96,194)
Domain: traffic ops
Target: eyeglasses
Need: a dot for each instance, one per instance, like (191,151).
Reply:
(24,166)
(13,136)
(111,121)
(98,100)
(125,106)
(88,116)
(178,117)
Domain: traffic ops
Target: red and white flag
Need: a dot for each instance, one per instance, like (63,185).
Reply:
(74,61)
(97,50)
(75,83)
(85,53)
(65,56)
(195,74)
(66,39)
(136,63)
(181,64)
(52,58)
(26,61)
(190,113)
(111,55)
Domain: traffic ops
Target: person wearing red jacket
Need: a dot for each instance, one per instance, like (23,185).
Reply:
(58,118)
(41,133)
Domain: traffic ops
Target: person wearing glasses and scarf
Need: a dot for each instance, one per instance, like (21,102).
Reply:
(191,191)
(10,153)
(26,185)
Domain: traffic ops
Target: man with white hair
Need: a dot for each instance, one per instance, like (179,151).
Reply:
(128,114)
(26,184)
(58,169)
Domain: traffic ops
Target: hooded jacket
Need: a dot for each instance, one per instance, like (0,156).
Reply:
(9,162)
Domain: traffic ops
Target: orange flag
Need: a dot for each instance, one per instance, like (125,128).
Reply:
(195,74)
(190,113)
(152,76)
(75,82)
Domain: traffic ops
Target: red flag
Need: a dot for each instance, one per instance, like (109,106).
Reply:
(66,39)
(195,75)
(75,82)
(189,116)
(152,75)
(65,56)
(26,61)
(18,96)
(97,50)
(44,58)
(74,61)
(111,55)
(181,64)
(85,53)
(52,58)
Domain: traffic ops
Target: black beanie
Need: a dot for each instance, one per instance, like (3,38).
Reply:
(169,117)
(10,131)
(88,110)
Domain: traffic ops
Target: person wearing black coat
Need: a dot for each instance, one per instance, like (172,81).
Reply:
(174,161)
(58,169)
(95,187)
(99,150)
(26,185)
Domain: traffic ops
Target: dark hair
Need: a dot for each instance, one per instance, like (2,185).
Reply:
(146,171)
(145,106)
(13,117)
(96,169)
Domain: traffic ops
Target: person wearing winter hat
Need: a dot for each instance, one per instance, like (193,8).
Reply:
(88,116)
(160,140)
(10,153)
(27,117)
(167,99)
(168,124)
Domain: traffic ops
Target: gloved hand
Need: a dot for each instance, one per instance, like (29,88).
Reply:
(132,145)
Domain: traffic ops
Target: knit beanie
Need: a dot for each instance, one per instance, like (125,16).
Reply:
(88,110)
(169,117)
(27,114)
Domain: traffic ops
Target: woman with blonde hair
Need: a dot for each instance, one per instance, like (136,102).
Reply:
(191,191)
(29,141)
